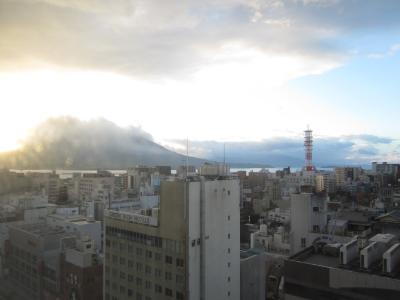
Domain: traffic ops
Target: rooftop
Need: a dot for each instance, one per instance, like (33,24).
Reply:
(330,256)
(76,219)
(392,217)
(40,229)
(244,254)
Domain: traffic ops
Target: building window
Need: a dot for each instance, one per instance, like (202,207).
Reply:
(130,278)
(229,279)
(138,296)
(121,261)
(148,270)
(139,251)
(149,254)
(179,296)
(158,288)
(229,293)
(168,259)
(130,264)
(303,242)
(168,292)
(157,272)
(229,264)
(130,292)
(157,256)
(316,209)
(229,235)
(229,218)
(121,247)
(229,250)
(139,281)
(122,275)
(139,267)
(179,262)
(122,289)
(168,276)
(179,279)
(148,284)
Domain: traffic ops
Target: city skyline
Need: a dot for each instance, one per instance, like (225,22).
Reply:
(262,70)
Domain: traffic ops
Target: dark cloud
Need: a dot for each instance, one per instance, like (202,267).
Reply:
(343,150)
(155,38)
(368,151)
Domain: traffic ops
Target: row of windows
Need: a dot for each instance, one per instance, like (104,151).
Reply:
(137,237)
(24,280)
(157,273)
(140,238)
(23,254)
(157,289)
(123,261)
(24,267)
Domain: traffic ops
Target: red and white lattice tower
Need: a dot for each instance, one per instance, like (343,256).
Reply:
(308,146)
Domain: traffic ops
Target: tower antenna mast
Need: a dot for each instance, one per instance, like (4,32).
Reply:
(187,156)
(308,148)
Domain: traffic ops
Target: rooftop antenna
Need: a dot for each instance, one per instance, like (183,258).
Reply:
(224,153)
(187,157)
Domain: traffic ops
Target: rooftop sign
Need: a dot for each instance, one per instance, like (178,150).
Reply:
(131,217)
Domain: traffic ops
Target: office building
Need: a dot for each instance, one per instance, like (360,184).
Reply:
(187,247)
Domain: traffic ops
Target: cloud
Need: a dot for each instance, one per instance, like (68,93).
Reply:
(342,150)
(369,138)
(174,38)
(390,52)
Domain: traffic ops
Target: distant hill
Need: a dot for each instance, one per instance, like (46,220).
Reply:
(69,143)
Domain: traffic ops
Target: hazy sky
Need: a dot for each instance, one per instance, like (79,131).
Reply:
(224,70)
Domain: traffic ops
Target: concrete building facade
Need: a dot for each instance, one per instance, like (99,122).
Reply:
(186,249)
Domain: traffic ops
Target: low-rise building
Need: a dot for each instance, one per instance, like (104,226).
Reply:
(348,271)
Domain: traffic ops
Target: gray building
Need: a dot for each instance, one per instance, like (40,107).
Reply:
(253,274)
(354,270)
(33,260)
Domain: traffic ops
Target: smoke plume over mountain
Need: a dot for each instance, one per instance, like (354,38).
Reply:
(70,143)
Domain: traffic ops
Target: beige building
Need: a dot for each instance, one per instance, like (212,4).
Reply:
(187,248)
(325,182)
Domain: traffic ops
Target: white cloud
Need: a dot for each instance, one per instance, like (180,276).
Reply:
(204,69)
(390,52)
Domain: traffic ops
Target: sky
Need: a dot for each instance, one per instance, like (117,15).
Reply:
(252,73)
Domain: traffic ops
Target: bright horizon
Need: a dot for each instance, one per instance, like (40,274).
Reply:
(281,67)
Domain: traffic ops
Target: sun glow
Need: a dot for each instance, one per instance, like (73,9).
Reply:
(241,96)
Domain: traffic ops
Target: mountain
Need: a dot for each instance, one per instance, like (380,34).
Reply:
(69,143)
